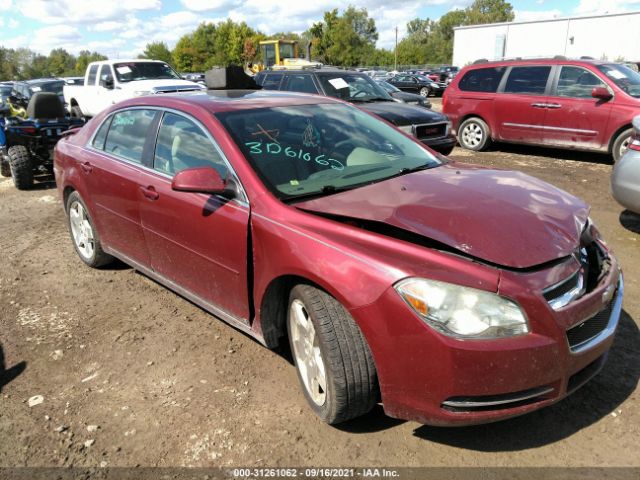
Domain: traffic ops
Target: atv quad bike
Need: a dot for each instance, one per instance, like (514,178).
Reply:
(28,143)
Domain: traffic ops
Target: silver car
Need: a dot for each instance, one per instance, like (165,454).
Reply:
(625,180)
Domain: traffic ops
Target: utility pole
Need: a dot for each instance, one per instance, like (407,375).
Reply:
(396,51)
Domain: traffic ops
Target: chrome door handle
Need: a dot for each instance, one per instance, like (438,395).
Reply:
(539,105)
(553,105)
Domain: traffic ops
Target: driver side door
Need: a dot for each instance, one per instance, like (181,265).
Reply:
(196,241)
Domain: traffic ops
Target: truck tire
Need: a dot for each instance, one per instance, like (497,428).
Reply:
(76,112)
(21,167)
(84,234)
(333,361)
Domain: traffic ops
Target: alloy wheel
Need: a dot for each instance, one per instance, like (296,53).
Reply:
(81,230)
(306,350)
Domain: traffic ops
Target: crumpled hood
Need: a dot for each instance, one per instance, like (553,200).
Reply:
(402,113)
(502,217)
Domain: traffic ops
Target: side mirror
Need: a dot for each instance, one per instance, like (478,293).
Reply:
(106,83)
(601,93)
(200,180)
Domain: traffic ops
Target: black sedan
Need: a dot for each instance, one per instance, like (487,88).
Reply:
(404,97)
(417,84)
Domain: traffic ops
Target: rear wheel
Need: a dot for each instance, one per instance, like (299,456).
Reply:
(620,144)
(474,134)
(83,233)
(333,360)
(21,166)
(425,92)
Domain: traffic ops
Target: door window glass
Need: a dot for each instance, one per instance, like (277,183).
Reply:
(272,81)
(98,140)
(528,80)
(482,80)
(93,71)
(105,74)
(182,144)
(577,82)
(128,133)
(299,83)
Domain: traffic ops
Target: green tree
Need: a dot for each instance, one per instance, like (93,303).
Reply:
(489,11)
(157,51)
(345,40)
(85,57)
(60,63)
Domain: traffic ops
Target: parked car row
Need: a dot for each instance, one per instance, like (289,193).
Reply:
(431,128)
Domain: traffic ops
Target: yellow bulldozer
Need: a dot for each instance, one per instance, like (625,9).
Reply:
(282,55)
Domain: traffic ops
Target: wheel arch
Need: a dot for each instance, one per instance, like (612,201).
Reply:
(475,115)
(616,134)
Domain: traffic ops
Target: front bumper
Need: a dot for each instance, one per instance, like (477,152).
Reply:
(440,144)
(438,380)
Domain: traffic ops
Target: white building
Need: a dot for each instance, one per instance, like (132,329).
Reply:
(610,37)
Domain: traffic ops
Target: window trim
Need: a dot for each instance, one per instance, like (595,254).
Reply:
(152,138)
(547,87)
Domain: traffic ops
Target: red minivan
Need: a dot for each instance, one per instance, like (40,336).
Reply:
(560,103)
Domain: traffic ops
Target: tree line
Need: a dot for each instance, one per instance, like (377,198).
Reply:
(344,39)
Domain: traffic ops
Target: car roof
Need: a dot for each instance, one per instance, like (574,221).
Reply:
(38,81)
(314,70)
(229,100)
(538,61)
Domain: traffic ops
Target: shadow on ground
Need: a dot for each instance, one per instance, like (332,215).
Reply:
(7,375)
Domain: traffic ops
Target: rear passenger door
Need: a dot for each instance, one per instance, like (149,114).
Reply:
(195,240)
(520,104)
(111,172)
(573,117)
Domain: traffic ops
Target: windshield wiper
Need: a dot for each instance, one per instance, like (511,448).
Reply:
(325,190)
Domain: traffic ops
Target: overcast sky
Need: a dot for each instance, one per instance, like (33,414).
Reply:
(122,28)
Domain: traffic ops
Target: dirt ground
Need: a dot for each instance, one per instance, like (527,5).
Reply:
(130,373)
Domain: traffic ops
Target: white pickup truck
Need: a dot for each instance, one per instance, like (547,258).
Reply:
(110,81)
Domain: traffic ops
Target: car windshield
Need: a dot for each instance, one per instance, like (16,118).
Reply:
(388,87)
(55,87)
(130,71)
(623,77)
(353,87)
(315,150)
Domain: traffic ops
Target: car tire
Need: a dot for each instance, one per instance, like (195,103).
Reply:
(328,347)
(620,144)
(5,168)
(76,112)
(84,234)
(425,92)
(21,166)
(474,134)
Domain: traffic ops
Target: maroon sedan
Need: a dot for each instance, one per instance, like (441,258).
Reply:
(452,293)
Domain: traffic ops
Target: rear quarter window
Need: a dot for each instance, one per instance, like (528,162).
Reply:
(482,80)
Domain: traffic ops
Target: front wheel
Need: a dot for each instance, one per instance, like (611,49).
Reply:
(333,360)
(21,166)
(474,134)
(621,144)
(76,112)
(425,92)
(84,234)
